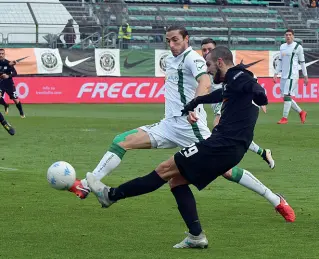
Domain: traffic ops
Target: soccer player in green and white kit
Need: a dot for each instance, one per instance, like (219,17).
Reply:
(207,45)
(291,54)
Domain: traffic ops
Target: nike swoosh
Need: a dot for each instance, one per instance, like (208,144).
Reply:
(134,64)
(309,63)
(250,64)
(75,63)
(20,59)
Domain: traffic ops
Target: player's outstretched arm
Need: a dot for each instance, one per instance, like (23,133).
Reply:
(204,85)
(213,97)
(260,97)
(13,71)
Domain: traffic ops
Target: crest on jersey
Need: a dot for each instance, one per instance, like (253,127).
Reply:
(199,64)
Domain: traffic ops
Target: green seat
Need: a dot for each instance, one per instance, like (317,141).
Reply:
(142,9)
(142,27)
(175,19)
(207,29)
(142,18)
(204,10)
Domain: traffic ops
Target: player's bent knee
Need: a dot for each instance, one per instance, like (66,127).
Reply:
(228,174)
(177,181)
(122,137)
(168,169)
(133,139)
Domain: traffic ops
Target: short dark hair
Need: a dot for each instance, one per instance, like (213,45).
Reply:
(223,53)
(182,30)
(207,41)
(290,30)
(2,50)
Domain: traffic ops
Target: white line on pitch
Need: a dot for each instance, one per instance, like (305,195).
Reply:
(7,169)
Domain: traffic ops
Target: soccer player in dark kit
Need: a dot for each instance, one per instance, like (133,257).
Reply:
(6,125)
(202,162)
(7,71)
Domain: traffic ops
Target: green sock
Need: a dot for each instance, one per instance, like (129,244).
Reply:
(236,174)
(260,151)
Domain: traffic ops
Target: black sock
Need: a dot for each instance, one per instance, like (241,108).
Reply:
(19,106)
(137,186)
(187,207)
(2,120)
(3,102)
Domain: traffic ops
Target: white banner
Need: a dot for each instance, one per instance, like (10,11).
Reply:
(48,61)
(273,62)
(107,62)
(160,65)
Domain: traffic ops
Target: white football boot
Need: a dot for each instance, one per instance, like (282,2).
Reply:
(100,190)
(267,156)
(193,241)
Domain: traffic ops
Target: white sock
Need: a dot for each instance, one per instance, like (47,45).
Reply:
(295,106)
(255,148)
(252,183)
(287,105)
(107,164)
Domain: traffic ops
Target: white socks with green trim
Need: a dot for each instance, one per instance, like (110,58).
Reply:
(252,183)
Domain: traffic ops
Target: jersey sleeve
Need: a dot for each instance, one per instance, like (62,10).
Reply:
(279,64)
(197,65)
(301,59)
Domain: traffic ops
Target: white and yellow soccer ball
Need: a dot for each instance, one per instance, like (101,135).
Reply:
(61,175)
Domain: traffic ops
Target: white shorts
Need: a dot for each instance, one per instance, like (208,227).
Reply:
(217,108)
(176,132)
(288,86)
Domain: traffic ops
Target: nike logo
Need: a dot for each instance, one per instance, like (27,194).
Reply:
(134,64)
(20,59)
(250,64)
(308,64)
(75,63)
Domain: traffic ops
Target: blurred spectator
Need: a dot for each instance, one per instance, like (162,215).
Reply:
(84,28)
(313,3)
(125,34)
(69,34)
(158,28)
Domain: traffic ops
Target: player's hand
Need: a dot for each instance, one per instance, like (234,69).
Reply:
(305,80)
(264,108)
(275,78)
(192,118)
(12,63)
(189,107)
(4,76)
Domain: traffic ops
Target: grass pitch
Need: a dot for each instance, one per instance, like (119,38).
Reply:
(37,221)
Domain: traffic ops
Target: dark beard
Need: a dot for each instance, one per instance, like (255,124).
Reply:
(218,78)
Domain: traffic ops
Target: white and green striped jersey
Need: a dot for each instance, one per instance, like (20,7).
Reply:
(181,81)
(290,57)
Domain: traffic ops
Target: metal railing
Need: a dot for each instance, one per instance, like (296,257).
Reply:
(105,19)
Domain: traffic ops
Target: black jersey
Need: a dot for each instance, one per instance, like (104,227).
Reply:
(241,95)
(5,68)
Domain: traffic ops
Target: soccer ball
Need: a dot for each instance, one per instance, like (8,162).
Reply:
(61,175)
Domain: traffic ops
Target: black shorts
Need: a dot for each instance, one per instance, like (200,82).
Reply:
(201,164)
(10,89)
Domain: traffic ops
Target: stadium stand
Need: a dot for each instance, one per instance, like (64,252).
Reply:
(241,24)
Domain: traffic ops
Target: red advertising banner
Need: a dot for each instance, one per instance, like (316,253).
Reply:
(125,90)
